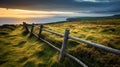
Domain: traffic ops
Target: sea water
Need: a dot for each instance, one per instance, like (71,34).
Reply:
(37,20)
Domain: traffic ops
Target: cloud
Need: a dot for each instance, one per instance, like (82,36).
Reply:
(83,6)
(97,0)
(92,0)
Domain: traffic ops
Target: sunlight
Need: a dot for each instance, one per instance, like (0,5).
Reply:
(18,13)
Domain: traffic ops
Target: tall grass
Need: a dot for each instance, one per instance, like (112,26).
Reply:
(18,49)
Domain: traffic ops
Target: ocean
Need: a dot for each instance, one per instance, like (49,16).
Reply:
(8,20)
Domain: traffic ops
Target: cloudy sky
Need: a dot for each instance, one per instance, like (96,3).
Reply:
(60,7)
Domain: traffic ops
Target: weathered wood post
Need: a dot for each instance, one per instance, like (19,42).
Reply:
(32,28)
(25,26)
(40,30)
(64,45)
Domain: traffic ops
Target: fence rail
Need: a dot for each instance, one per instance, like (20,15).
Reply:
(115,51)
(64,44)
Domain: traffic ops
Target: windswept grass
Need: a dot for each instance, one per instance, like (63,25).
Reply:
(18,49)
(105,32)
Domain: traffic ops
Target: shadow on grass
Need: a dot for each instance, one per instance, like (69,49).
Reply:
(72,43)
(39,54)
(3,61)
(20,44)
(23,59)
(29,64)
(3,33)
(41,65)
(67,62)
(24,33)
(3,58)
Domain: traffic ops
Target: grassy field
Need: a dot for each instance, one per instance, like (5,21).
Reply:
(18,49)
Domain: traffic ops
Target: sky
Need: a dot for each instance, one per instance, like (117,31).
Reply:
(48,8)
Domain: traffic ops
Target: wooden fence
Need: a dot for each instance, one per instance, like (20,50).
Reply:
(66,36)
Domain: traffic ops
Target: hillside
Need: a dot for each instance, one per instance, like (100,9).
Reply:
(93,18)
(19,49)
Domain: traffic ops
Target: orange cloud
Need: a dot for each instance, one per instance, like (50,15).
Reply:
(29,13)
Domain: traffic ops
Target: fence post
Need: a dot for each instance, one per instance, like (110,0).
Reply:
(40,30)
(64,45)
(25,26)
(32,28)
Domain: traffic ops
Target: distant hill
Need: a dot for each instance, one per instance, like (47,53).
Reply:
(93,18)
(117,15)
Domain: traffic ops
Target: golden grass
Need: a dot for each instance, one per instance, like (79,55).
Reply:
(19,49)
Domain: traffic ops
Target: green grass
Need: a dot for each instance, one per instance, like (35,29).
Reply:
(19,49)
(105,32)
